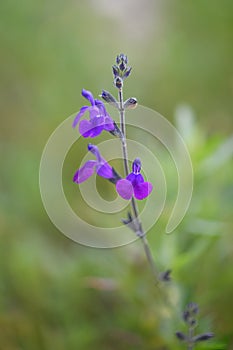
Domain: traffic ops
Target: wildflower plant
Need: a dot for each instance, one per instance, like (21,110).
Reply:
(131,186)
(92,120)
(190,318)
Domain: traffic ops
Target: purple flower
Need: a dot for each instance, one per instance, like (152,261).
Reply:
(99,118)
(134,184)
(100,166)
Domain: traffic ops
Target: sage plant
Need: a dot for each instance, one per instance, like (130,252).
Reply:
(190,318)
(131,186)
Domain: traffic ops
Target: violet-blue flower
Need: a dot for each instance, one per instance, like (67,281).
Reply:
(100,166)
(134,184)
(99,118)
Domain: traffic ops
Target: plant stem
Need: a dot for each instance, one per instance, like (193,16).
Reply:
(123,138)
(190,336)
(140,232)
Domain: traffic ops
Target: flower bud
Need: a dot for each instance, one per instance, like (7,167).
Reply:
(181,336)
(131,103)
(202,337)
(121,58)
(120,69)
(118,82)
(118,59)
(109,98)
(122,66)
(127,72)
(193,308)
(115,71)
(165,276)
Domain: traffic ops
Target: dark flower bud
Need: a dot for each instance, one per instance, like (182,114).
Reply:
(189,314)
(118,82)
(124,58)
(118,59)
(193,308)
(115,71)
(192,322)
(109,98)
(122,66)
(127,72)
(121,58)
(165,276)
(121,69)
(181,336)
(202,337)
(186,315)
(131,103)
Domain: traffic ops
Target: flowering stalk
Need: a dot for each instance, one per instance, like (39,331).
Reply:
(137,225)
(133,185)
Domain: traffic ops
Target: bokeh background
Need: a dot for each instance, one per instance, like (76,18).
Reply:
(57,294)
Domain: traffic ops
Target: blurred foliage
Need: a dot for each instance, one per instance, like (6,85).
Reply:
(55,294)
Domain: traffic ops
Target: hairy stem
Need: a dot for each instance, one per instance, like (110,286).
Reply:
(133,203)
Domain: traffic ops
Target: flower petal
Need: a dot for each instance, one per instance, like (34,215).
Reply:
(94,111)
(135,179)
(131,177)
(85,128)
(85,172)
(88,95)
(124,189)
(88,129)
(95,150)
(108,124)
(79,115)
(101,107)
(98,125)
(136,167)
(105,170)
(142,190)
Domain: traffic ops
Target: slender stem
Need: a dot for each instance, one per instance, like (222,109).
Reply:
(133,203)
(123,138)
(190,336)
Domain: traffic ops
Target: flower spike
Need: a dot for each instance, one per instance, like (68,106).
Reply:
(121,70)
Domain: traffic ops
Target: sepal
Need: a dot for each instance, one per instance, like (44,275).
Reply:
(116,131)
(116,177)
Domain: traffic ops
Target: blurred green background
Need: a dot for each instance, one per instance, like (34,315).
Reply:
(54,293)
